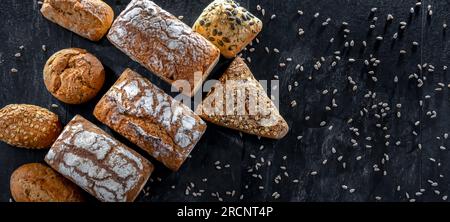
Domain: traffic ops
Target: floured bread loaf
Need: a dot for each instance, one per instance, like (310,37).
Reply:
(151,119)
(163,44)
(98,163)
(228,26)
(240,102)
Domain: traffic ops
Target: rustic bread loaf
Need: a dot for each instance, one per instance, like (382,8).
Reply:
(98,163)
(36,182)
(73,75)
(241,103)
(164,45)
(28,126)
(151,119)
(90,19)
(228,26)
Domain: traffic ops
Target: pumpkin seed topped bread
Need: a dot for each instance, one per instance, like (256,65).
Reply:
(228,26)
(28,126)
(255,114)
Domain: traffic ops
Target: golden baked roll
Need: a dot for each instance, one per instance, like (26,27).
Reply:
(36,182)
(228,26)
(73,75)
(90,19)
(28,126)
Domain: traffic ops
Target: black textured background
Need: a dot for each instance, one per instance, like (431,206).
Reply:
(419,177)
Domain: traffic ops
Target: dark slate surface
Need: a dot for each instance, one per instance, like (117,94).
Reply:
(370,173)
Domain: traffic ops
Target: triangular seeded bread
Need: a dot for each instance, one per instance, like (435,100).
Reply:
(238,82)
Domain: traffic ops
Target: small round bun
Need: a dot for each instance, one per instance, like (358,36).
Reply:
(36,182)
(73,75)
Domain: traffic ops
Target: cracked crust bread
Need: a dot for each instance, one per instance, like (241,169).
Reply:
(28,126)
(164,45)
(73,75)
(228,26)
(90,19)
(239,82)
(141,112)
(36,182)
(99,164)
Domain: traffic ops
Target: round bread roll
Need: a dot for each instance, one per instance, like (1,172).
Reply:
(73,75)
(35,182)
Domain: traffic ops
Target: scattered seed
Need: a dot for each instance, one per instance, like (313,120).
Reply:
(390,17)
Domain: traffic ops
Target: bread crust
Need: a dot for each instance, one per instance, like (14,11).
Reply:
(163,44)
(151,119)
(36,182)
(99,164)
(28,126)
(265,123)
(73,75)
(90,19)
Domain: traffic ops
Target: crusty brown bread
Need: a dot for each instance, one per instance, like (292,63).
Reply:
(237,83)
(163,44)
(28,126)
(36,182)
(151,119)
(104,167)
(90,19)
(73,75)
(228,26)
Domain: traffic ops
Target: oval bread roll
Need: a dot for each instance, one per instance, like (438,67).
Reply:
(90,19)
(28,126)
(35,182)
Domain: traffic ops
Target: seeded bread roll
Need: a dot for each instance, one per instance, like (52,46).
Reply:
(240,102)
(73,75)
(151,119)
(164,45)
(90,19)
(228,26)
(98,163)
(35,182)
(28,126)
